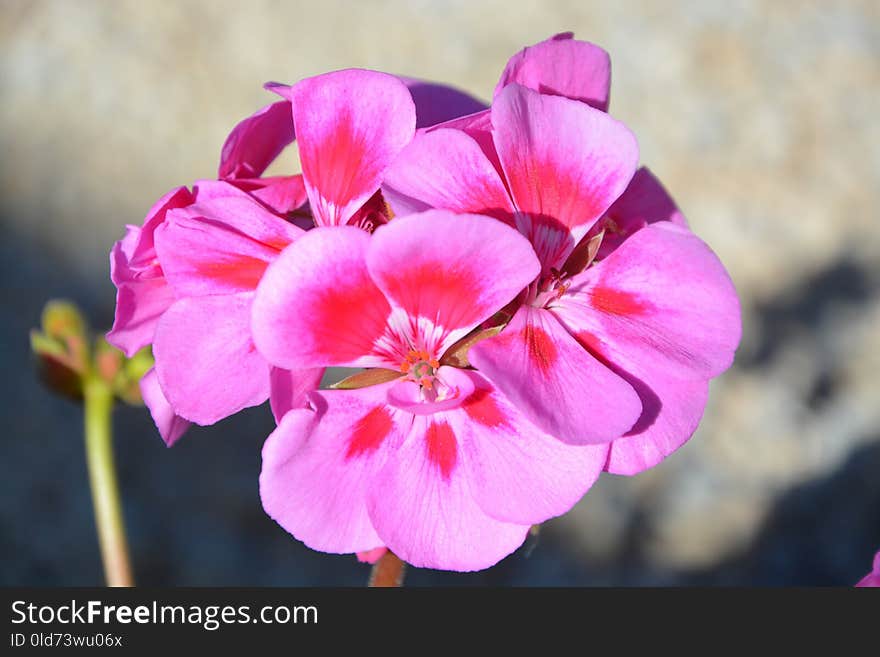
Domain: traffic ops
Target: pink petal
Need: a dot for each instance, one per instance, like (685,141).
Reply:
(644,202)
(445,169)
(281,194)
(517,472)
(139,305)
(662,300)
(318,466)
(142,293)
(672,410)
(562,66)
(436,103)
(565,163)
(423,507)
(170,425)
(221,246)
(554,381)
(317,306)
(372,556)
(206,360)
(350,124)
(142,257)
(290,389)
(256,141)
(453,270)
(872,579)
(478,127)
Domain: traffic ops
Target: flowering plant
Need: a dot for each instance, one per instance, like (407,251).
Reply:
(526,305)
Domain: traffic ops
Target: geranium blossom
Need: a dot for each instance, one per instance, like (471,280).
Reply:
(626,345)
(198,258)
(434,462)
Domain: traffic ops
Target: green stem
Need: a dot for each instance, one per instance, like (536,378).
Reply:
(102,477)
(388,571)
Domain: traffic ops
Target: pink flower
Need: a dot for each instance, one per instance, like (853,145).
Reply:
(211,247)
(434,462)
(872,579)
(623,348)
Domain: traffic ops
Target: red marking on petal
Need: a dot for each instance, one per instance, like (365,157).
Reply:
(369,432)
(432,290)
(241,271)
(442,447)
(616,302)
(590,342)
(339,305)
(482,408)
(540,347)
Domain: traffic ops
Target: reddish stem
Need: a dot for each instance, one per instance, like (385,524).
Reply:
(388,571)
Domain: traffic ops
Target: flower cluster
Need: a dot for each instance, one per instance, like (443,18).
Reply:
(528,307)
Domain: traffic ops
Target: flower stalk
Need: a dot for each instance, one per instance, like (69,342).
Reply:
(98,398)
(388,571)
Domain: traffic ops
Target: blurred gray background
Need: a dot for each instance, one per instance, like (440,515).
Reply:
(761,119)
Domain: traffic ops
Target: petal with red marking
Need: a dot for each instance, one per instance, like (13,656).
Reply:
(453,270)
(565,162)
(423,507)
(318,465)
(350,125)
(206,360)
(220,246)
(663,300)
(554,381)
(317,306)
(446,169)
(518,473)
(562,66)
(170,425)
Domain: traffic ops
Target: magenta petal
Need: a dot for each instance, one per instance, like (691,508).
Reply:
(436,103)
(555,382)
(281,194)
(565,162)
(256,141)
(290,389)
(139,305)
(142,254)
(562,66)
(445,169)
(423,507)
(317,306)
(206,360)
(350,124)
(662,300)
(372,556)
(318,465)
(221,246)
(671,413)
(476,268)
(170,425)
(872,579)
(644,202)
(518,473)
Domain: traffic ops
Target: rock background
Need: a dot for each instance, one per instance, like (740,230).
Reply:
(760,117)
